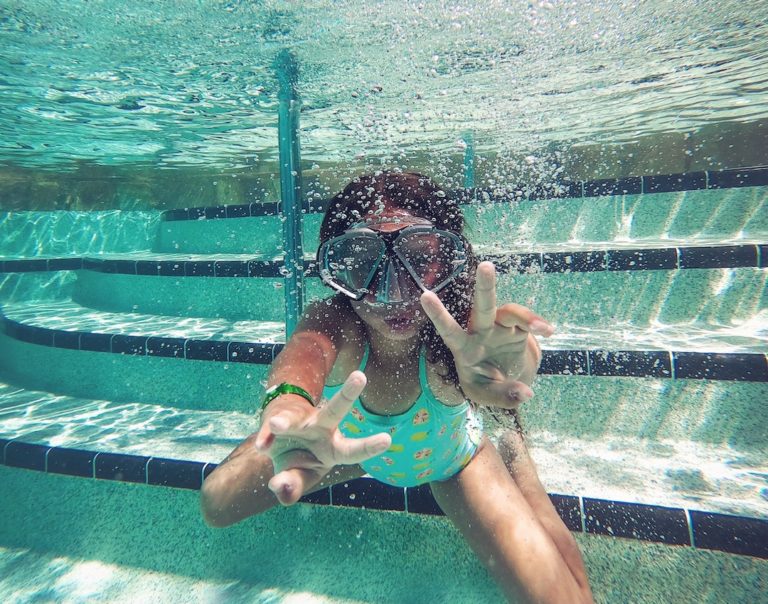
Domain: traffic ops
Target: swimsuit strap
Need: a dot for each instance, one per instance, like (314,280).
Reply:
(425,389)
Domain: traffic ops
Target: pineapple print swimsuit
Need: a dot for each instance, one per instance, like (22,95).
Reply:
(430,441)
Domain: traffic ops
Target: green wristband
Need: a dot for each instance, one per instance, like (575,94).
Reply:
(285,388)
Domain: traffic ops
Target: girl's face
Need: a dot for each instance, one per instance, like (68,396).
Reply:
(396,321)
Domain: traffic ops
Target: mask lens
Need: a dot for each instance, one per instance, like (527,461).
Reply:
(433,257)
(351,262)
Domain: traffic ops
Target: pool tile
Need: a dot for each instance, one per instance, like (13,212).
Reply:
(732,366)
(209,467)
(25,266)
(667,183)
(26,455)
(269,208)
(563,362)
(147,267)
(514,263)
(732,534)
(199,269)
(564,190)
(739,177)
(631,363)
(421,501)
(177,473)
(231,268)
(65,264)
(368,493)
(34,335)
(264,268)
(3,443)
(66,339)
(631,185)
(321,497)
(569,509)
(124,468)
(731,256)
(250,352)
(641,260)
(206,350)
(177,214)
(212,212)
(124,344)
(165,347)
(238,211)
(576,262)
(96,342)
(195,213)
(636,521)
(73,462)
(172,268)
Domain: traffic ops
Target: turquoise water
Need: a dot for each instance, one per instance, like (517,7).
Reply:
(191,82)
(111,112)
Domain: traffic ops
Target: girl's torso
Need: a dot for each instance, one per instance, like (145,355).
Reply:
(434,431)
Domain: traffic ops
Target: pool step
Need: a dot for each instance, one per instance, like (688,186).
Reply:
(201,363)
(713,477)
(719,285)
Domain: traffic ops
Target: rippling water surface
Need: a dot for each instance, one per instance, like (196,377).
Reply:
(192,82)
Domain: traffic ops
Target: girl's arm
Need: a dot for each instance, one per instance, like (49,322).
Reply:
(297,443)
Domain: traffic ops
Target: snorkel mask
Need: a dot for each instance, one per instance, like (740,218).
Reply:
(396,265)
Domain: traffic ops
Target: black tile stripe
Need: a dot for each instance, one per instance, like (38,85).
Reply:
(668,183)
(3,443)
(564,362)
(121,467)
(421,501)
(569,509)
(72,462)
(225,211)
(739,177)
(368,493)
(175,473)
(733,256)
(632,185)
(714,366)
(574,262)
(630,363)
(731,534)
(755,176)
(636,521)
(726,256)
(25,455)
(642,259)
(751,367)
(321,497)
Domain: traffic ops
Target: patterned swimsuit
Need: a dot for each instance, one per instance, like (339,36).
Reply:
(430,441)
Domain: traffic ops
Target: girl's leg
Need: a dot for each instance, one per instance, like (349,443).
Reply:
(489,509)
(514,453)
(237,488)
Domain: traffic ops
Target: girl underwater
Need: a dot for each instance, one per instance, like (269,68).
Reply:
(414,321)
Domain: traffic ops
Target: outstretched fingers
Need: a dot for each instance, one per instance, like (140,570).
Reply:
(339,405)
(483,314)
(446,326)
(516,315)
(356,450)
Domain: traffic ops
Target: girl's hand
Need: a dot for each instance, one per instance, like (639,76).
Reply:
(305,443)
(494,358)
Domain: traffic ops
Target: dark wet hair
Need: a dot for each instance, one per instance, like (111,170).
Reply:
(420,196)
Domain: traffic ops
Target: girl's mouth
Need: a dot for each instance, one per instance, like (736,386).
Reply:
(401,323)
